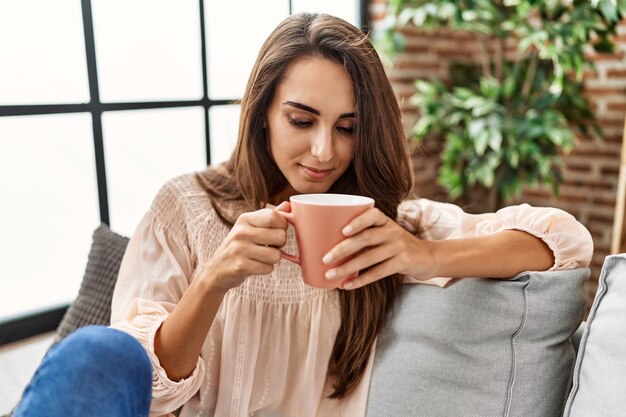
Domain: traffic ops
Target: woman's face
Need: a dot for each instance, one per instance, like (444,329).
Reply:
(311,123)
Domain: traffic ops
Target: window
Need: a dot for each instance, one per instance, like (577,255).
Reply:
(102,101)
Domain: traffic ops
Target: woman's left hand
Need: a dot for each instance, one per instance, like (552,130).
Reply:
(381,247)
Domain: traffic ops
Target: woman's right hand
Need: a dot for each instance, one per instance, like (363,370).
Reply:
(250,248)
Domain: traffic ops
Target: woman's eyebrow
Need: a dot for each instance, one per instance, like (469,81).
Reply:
(302,107)
(312,110)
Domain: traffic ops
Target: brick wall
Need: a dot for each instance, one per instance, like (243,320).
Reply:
(592,168)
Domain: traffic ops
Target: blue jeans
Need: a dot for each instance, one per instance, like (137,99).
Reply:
(95,371)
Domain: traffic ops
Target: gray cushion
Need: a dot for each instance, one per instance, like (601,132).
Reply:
(578,335)
(93,303)
(481,347)
(600,374)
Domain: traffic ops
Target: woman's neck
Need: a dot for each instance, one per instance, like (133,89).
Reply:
(283,195)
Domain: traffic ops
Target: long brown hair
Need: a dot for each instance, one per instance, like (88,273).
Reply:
(380,168)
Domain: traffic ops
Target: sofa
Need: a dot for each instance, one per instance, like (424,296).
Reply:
(478,348)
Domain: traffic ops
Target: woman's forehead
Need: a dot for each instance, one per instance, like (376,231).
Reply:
(317,81)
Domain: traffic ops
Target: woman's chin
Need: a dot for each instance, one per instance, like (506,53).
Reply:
(316,188)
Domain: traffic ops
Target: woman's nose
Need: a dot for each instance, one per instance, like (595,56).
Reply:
(322,146)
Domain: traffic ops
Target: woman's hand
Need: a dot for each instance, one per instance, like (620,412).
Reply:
(250,248)
(381,248)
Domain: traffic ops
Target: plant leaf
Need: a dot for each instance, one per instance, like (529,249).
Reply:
(481,141)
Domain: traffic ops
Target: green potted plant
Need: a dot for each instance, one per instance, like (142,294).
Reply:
(506,120)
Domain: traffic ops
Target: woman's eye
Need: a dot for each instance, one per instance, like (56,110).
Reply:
(299,122)
(348,130)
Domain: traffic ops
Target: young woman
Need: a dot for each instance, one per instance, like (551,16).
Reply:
(229,328)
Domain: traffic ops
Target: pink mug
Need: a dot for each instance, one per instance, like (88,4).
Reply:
(318,220)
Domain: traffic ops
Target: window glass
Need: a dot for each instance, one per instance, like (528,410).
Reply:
(42,59)
(144,149)
(235,32)
(148,50)
(224,128)
(49,208)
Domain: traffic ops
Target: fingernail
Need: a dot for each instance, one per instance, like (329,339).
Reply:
(331,274)
(328,258)
(347,285)
(347,230)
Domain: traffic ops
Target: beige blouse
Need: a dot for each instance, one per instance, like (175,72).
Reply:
(268,348)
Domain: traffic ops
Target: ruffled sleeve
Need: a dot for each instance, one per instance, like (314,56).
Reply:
(155,272)
(569,240)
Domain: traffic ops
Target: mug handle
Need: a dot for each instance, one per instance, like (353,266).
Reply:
(289,217)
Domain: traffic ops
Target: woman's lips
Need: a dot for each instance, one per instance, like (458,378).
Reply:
(314,173)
